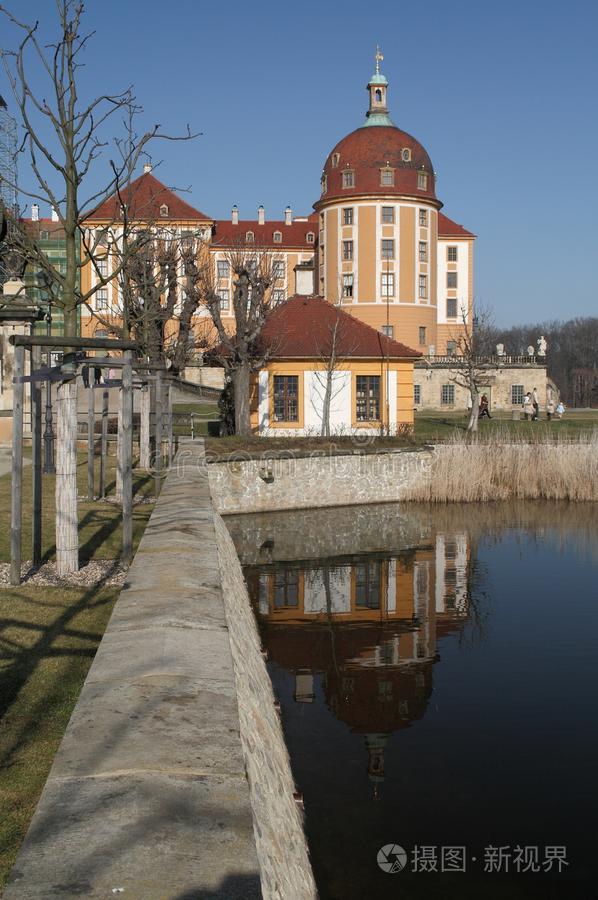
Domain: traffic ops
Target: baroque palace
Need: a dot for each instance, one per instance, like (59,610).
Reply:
(377,241)
(376,244)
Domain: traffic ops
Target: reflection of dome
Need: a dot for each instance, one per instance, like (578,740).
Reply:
(369,699)
(367,151)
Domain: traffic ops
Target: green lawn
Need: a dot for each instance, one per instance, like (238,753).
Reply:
(202,413)
(438,426)
(48,639)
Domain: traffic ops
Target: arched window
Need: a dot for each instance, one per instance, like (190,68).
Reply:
(378,95)
(249,237)
(277,237)
(164,210)
(310,237)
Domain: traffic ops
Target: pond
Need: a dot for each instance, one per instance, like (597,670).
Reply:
(437,670)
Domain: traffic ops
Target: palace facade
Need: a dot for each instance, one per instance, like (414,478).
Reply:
(377,241)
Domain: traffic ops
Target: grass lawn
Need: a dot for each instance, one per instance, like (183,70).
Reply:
(202,412)
(430,427)
(438,426)
(48,640)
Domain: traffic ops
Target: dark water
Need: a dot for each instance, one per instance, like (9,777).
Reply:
(437,673)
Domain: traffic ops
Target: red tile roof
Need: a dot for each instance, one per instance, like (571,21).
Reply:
(295,235)
(145,196)
(369,149)
(448,228)
(302,328)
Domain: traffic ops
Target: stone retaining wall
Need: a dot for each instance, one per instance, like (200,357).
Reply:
(253,485)
(149,793)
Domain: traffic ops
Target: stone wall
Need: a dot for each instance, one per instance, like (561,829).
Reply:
(499,381)
(251,485)
(282,850)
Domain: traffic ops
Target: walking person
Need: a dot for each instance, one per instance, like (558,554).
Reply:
(560,409)
(484,408)
(550,409)
(528,406)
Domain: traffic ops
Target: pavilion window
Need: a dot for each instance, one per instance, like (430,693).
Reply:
(348,215)
(368,577)
(347,250)
(348,178)
(286,589)
(348,285)
(367,398)
(286,398)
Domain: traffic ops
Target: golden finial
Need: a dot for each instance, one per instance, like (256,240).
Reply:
(378,57)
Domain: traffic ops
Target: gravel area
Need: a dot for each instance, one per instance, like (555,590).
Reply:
(101,572)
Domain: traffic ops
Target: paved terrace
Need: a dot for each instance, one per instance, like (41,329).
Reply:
(148,796)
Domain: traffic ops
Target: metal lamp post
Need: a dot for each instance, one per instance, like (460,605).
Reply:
(49,467)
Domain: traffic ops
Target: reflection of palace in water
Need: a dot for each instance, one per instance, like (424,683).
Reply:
(367,626)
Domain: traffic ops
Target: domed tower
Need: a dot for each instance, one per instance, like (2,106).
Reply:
(378,215)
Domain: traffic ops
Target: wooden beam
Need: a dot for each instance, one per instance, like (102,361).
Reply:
(91,424)
(16,519)
(36,463)
(127,458)
(103,445)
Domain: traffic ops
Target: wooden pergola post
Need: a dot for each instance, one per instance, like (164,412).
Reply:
(16,519)
(91,424)
(127,457)
(36,461)
(103,445)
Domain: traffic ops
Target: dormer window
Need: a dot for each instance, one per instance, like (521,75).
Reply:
(310,237)
(164,210)
(406,154)
(348,178)
(387,177)
(335,160)
(277,236)
(422,181)
(249,237)
(324,183)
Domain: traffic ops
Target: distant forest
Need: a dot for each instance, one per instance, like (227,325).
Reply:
(572,355)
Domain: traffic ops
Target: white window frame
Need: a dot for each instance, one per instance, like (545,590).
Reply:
(447,395)
(223,268)
(423,218)
(423,287)
(348,179)
(348,284)
(387,284)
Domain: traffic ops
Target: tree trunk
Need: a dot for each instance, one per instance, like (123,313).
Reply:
(67,542)
(241,386)
(472,425)
(325,432)
(144,435)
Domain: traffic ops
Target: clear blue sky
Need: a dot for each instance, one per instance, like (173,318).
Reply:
(502,95)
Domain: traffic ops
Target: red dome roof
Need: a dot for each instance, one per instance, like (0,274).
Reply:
(369,149)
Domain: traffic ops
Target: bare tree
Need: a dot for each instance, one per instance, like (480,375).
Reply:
(241,352)
(64,138)
(468,367)
(332,352)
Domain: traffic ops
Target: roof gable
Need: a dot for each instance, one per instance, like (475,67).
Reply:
(145,197)
(448,228)
(303,327)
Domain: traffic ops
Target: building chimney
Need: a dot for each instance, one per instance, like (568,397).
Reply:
(288,216)
(234,216)
(147,168)
(261,215)
(55,215)
(35,212)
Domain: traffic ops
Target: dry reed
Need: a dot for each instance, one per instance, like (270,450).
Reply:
(503,467)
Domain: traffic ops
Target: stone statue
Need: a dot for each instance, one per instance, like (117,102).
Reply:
(542,345)
(530,351)
(500,349)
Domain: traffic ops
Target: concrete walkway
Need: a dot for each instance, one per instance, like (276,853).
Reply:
(148,795)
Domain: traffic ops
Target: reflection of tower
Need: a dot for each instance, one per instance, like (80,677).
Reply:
(8,172)
(375,744)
